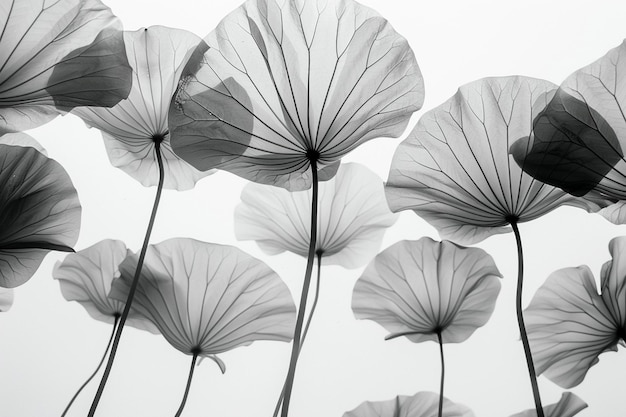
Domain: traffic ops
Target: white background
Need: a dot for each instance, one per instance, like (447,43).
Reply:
(48,346)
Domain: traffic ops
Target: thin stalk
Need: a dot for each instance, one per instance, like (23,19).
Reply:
(97,368)
(306,327)
(443,372)
(295,349)
(520,321)
(182,404)
(133,286)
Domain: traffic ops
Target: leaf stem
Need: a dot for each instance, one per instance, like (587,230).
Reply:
(520,320)
(295,349)
(133,286)
(115,322)
(182,404)
(443,372)
(306,328)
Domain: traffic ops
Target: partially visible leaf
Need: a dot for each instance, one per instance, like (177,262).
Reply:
(22,139)
(207,298)
(39,212)
(455,171)
(285,81)
(130,129)
(580,137)
(352,217)
(58,55)
(6,299)
(422,404)
(568,406)
(569,324)
(86,276)
(418,288)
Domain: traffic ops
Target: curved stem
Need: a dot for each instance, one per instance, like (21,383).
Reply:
(182,403)
(443,372)
(520,321)
(133,286)
(94,372)
(295,349)
(306,327)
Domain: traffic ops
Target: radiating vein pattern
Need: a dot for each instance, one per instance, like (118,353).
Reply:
(207,298)
(422,404)
(281,79)
(455,171)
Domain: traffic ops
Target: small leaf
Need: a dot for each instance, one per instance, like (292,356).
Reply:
(422,404)
(6,299)
(418,288)
(568,406)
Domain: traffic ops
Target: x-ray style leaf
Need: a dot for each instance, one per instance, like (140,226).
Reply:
(207,298)
(568,406)
(570,324)
(353,216)
(422,404)
(421,288)
(55,56)
(39,212)
(130,129)
(283,83)
(455,171)
(86,276)
(6,299)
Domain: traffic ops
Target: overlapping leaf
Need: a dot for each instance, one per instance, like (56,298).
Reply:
(208,298)
(285,82)
(422,404)
(86,276)
(579,138)
(352,217)
(39,212)
(455,171)
(569,324)
(568,406)
(58,55)
(130,129)
(421,288)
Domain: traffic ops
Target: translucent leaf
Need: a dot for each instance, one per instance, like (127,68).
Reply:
(22,139)
(569,325)
(352,217)
(157,56)
(455,171)
(6,299)
(60,55)
(207,298)
(39,212)
(282,81)
(418,288)
(86,276)
(579,138)
(422,404)
(568,406)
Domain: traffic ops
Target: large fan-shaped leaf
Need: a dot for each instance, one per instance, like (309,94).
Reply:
(207,298)
(39,212)
(157,56)
(352,217)
(579,137)
(569,324)
(6,299)
(422,404)
(283,82)
(59,54)
(568,406)
(86,276)
(454,169)
(419,288)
